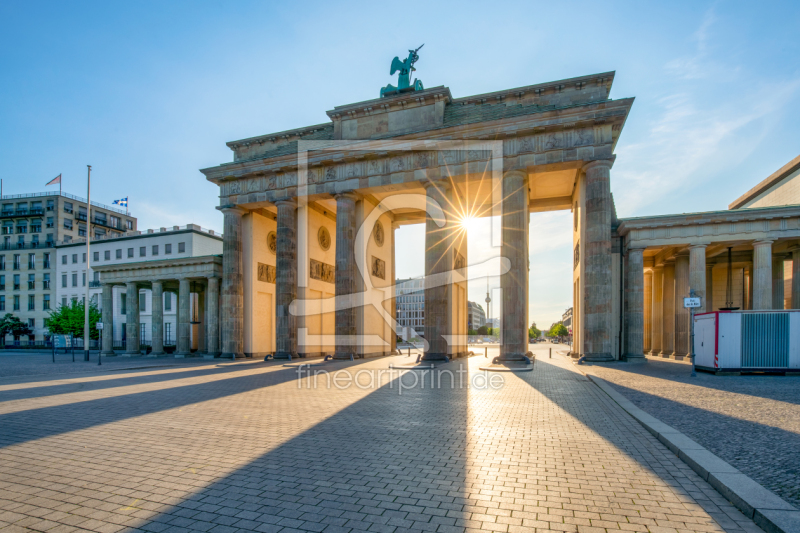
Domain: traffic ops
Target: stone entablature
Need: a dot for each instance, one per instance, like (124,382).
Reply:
(166,269)
(265,168)
(715,226)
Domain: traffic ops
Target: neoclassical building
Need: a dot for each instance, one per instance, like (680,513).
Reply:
(310,214)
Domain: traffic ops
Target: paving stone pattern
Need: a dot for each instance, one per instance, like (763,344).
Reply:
(243,448)
(750,421)
(22,363)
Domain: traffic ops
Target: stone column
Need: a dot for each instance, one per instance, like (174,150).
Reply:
(286,279)
(749,304)
(634,304)
(108,320)
(777,282)
(213,317)
(796,279)
(158,319)
(656,335)
(438,260)
(345,319)
(681,313)
(183,342)
(514,283)
(709,305)
(648,311)
(394,290)
(668,313)
(232,284)
(132,320)
(697,274)
(762,275)
(597,262)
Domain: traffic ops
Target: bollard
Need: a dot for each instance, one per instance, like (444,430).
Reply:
(486,351)
(551,353)
(409,352)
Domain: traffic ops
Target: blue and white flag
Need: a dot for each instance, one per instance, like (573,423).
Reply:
(122,201)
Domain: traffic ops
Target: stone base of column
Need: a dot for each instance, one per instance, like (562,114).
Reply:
(654,353)
(131,354)
(209,355)
(345,356)
(109,354)
(432,356)
(664,354)
(182,355)
(157,354)
(278,355)
(634,356)
(598,357)
(679,356)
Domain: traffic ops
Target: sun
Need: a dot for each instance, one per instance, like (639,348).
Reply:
(468,222)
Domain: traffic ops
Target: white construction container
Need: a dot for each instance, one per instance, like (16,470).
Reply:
(747,341)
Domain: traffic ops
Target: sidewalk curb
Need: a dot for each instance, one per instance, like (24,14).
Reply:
(768,511)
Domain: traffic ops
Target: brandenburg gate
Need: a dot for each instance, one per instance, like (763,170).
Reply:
(311,213)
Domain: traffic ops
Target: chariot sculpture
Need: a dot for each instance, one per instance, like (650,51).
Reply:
(405,67)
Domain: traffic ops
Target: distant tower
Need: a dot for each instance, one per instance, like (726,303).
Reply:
(488,301)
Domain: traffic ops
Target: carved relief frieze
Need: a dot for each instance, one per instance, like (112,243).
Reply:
(322,271)
(378,267)
(266,273)
(397,164)
(460,262)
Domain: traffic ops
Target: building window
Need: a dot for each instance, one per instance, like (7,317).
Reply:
(31,302)
(115,222)
(167,301)
(31,282)
(167,248)
(50,205)
(64,259)
(181,247)
(142,303)
(123,304)
(63,280)
(2,262)
(84,257)
(142,251)
(47,260)
(130,224)
(46,281)
(36,227)
(118,253)
(31,323)
(142,333)
(67,224)
(16,261)
(2,303)
(96,257)
(50,223)
(16,302)
(74,279)
(68,207)
(22,228)
(84,279)
(155,249)
(74,259)
(64,301)
(46,302)
(130,252)
(16,282)
(107,255)
(168,334)
(31,261)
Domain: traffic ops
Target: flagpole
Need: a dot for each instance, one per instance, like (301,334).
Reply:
(86,337)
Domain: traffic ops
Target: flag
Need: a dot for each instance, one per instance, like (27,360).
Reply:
(122,201)
(55,180)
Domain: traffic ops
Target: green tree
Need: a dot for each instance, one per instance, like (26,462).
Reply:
(534,332)
(483,330)
(68,320)
(558,330)
(10,324)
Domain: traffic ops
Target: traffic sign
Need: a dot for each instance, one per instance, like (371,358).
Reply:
(691,302)
(99,326)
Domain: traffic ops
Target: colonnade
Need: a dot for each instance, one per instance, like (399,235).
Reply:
(208,311)
(445,269)
(656,322)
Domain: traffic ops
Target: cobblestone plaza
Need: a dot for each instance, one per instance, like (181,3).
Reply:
(229,446)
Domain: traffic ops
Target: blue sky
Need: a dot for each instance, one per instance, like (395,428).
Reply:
(149,92)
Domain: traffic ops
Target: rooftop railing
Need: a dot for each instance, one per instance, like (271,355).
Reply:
(63,194)
(160,231)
